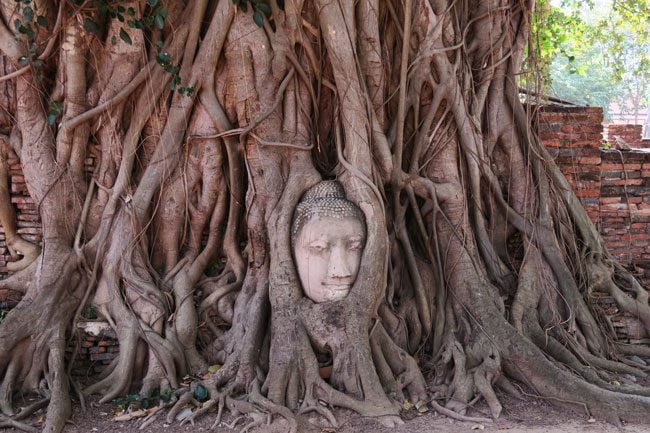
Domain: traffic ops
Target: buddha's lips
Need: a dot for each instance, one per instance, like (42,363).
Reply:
(337,286)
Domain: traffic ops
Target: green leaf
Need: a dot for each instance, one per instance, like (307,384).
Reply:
(113,40)
(28,13)
(214,368)
(91,26)
(200,393)
(152,3)
(189,91)
(125,36)
(264,8)
(166,395)
(258,18)
(41,20)
(137,24)
(163,58)
(160,21)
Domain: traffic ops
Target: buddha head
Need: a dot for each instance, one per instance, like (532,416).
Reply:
(328,235)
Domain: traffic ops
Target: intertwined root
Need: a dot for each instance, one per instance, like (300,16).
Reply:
(415,128)
(33,345)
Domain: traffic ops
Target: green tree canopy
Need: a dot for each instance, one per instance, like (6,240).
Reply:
(596,52)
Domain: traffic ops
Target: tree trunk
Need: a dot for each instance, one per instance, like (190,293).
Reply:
(208,121)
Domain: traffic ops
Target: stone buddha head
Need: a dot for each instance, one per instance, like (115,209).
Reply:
(328,235)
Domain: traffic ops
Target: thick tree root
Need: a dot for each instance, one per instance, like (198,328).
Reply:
(12,423)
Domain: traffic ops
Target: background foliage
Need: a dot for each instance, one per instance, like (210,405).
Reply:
(595,52)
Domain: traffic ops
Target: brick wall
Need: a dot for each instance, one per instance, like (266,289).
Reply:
(29,226)
(625,208)
(573,136)
(613,185)
(630,133)
(97,347)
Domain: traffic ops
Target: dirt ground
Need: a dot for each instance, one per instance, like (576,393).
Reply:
(530,416)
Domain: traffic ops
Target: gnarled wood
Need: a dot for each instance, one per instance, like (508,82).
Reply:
(207,125)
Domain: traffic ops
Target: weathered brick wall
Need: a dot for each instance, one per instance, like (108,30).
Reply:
(28,221)
(613,185)
(97,347)
(625,208)
(630,133)
(29,226)
(573,136)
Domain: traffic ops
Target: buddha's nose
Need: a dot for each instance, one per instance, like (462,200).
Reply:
(339,267)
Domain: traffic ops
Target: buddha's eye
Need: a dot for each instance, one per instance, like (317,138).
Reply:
(317,247)
(355,244)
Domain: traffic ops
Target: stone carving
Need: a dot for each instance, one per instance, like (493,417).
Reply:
(328,235)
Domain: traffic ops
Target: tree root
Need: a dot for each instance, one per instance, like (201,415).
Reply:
(29,410)
(256,406)
(12,423)
(455,415)
(314,406)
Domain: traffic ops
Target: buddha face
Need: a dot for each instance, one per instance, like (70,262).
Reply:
(328,253)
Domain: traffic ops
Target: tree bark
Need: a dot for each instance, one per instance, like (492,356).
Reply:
(207,121)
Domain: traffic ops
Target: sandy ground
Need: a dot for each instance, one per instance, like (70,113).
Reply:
(530,416)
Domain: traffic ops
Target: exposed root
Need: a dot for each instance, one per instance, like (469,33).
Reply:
(12,423)
(313,406)
(148,421)
(272,408)
(185,399)
(422,126)
(455,415)
(202,410)
(31,409)
(258,419)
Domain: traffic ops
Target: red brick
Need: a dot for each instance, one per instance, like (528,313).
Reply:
(588,160)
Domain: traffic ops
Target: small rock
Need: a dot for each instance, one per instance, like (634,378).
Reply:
(422,406)
(630,377)
(185,413)
(638,360)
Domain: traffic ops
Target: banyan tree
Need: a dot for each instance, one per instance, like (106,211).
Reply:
(340,203)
